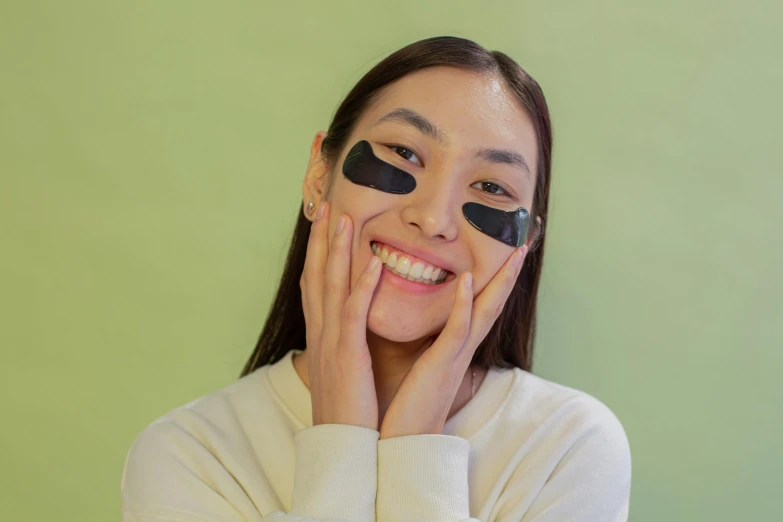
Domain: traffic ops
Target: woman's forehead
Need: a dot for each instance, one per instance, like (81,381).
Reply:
(452,108)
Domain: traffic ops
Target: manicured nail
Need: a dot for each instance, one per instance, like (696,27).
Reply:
(519,255)
(467,281)
(375,262)
(320,212)
(340,224)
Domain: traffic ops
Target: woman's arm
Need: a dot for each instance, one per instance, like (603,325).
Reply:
(425,477)
(336,472)
(170,476)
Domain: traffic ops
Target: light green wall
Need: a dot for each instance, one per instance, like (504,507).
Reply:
(151,156)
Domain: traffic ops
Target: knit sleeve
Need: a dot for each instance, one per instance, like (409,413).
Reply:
(170,477)
(425,478)
(336,472)
(592,481)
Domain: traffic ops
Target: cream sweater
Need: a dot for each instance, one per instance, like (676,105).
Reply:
(523,449)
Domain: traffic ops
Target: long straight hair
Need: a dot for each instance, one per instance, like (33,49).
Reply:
(509,343)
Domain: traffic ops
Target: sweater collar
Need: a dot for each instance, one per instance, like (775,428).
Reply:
(478,412)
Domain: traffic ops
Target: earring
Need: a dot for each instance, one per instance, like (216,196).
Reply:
(310,207)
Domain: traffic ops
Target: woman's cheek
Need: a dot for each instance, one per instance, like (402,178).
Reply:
(488,261)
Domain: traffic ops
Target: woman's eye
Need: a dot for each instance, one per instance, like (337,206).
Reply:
(407,157)
(493,187)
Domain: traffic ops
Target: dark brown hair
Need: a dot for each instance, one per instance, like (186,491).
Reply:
(509,342)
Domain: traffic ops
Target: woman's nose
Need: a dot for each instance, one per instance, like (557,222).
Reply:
(434,210)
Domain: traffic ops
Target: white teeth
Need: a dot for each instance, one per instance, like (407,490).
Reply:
(401,266)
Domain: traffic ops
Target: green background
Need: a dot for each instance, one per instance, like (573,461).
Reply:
(151,159)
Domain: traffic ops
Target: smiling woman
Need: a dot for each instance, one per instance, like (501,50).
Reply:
(393,378)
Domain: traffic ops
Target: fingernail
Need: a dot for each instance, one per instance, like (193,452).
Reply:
(519,255)
(320,212)
(467,281)
(375,262)
(340,224)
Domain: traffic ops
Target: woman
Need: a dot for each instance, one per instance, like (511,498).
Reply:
(392,380)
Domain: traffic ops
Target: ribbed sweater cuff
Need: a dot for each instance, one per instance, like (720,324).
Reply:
(336,474)
(423,477)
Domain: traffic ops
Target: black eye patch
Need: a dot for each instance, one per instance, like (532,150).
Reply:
(363,167)
(507,227)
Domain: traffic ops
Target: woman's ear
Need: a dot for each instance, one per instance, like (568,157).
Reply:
(536,235)
(316,177)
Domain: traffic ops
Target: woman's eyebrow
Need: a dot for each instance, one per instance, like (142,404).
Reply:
(429,129)
(508,157)
(413,118)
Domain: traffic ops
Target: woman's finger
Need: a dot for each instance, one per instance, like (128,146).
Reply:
(312,279)
(451,341)
(336,287)
(357,306)
(490,302)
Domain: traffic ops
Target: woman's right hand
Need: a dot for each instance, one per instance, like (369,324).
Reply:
(342,385)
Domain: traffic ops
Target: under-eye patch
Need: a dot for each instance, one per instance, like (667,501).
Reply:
(507,227)
(363,167)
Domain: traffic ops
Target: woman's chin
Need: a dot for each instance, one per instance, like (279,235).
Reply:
(399,327)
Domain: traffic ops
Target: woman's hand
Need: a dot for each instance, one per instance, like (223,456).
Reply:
(423,400)
(342,385)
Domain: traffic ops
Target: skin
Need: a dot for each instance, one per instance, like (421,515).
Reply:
(401,329)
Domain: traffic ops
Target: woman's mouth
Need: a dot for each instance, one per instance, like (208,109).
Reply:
(409,267)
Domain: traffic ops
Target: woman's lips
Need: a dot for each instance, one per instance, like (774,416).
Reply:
(407,265)
(406,285)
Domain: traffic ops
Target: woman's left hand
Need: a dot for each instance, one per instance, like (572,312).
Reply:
(422,403)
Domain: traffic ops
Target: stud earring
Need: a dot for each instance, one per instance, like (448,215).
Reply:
(310,207)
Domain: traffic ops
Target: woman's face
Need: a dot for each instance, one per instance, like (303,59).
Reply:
(468,112)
